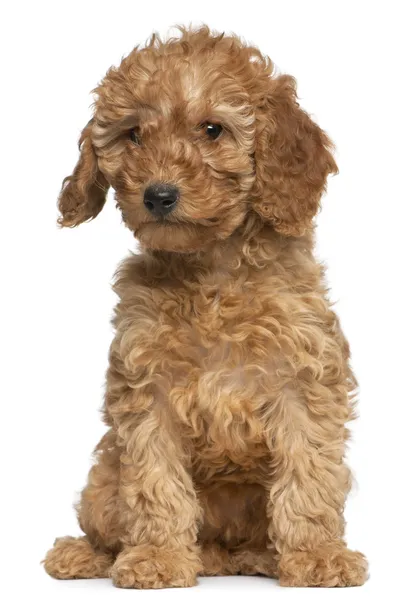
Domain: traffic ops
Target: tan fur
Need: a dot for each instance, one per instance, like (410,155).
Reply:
(229,387)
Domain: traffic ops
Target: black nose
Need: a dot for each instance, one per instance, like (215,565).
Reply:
(161,198)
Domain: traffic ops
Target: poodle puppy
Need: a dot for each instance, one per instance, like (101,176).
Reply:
(229,386)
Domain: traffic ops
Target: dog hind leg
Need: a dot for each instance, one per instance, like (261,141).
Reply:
(92,556)
(76,558)
(217,560)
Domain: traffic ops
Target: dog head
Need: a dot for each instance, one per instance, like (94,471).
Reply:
(194,134)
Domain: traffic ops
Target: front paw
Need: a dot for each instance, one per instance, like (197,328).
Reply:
(148,567)
(332,565)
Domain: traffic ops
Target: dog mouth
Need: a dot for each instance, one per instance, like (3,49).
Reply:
(173,220)
(174,235)
(167,226)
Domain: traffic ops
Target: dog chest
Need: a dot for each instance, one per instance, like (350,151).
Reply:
(221,401)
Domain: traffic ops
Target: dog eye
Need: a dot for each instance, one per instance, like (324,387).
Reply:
(213,130)
(134,136)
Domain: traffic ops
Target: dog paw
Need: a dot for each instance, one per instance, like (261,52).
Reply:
(332,565)
(75,558)
(147,567)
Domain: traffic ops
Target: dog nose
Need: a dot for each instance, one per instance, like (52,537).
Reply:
(161,198)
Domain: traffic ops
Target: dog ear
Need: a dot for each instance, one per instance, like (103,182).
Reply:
(293,159)
(84,192)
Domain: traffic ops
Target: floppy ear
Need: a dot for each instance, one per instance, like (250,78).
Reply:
(83,193)
(293,159)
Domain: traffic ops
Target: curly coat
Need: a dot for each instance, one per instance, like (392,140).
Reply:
(229,387)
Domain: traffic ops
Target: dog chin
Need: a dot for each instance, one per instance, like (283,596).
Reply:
(173,237)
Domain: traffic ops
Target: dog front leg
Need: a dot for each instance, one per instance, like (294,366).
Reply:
(158,503)
(306,500)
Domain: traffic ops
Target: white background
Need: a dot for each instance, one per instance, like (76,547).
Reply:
(355,69)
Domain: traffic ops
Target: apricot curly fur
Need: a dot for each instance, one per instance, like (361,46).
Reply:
(75,558)
(229,386)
